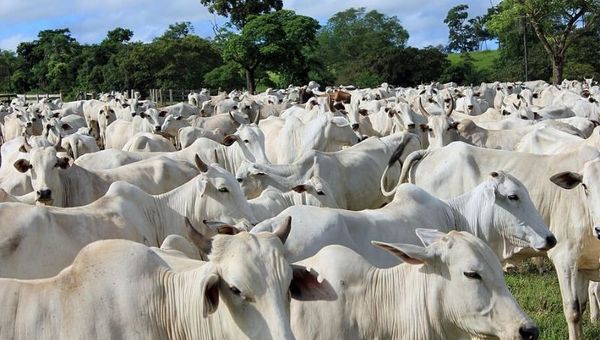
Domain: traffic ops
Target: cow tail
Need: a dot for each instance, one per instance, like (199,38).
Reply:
(408,162)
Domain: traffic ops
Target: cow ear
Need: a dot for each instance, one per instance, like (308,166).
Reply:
(567,179)
(143,114)
(306,286)
(230,139)
(210,293)
(200,164)
(408,253)
(429,236)
(22,165)
(299,188)
(162,113)
(63,163)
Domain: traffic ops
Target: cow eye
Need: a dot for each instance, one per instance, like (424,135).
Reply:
(235,290)
(513,197)
(473,275)
(223,189)
(584,187)
(246,141)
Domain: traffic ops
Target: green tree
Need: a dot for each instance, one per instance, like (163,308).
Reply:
(239,12)
(461,36)
(355,39)
(272,41)
(118,35)
(557,24)
(8,62)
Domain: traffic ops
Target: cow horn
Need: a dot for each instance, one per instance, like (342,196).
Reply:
(451,106)
(200,164)
(26,147)
(316,170)
(422,109)
(234,120)
(257,118)
(283,230)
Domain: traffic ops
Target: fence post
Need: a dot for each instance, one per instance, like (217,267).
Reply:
(60,96)
(170,96)
(161,97)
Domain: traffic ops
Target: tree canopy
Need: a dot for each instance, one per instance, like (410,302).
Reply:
(239,12)
(557,24)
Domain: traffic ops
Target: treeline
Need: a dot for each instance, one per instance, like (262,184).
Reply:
(264,45)
(356,46)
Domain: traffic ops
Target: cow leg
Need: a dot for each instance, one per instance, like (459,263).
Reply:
(569,281)
(594,301)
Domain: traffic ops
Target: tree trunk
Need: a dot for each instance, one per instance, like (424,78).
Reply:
(250,81)
(558,65)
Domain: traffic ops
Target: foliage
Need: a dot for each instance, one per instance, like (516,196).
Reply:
(461,35)
(239,12)
(355,39)
(227,77)
(557,24)
(273,41)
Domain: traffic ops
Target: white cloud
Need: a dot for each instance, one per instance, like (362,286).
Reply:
(90,20)
(11,42)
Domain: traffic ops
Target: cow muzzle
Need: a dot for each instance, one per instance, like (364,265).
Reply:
(44,196)
(529,332)
(157,129)
(597,232)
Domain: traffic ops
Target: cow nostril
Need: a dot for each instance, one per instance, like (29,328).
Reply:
(529,332)
(355,126)
(28,124)
(240,180)
(157,128)
(550,241)
(411,126)
(470,106)
(44,194)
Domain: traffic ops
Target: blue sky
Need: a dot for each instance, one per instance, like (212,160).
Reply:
(89,20)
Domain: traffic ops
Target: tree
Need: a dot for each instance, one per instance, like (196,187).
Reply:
(557,24)
(239,12)
(7,66)
(273,41)
(119,36)
(178,30)
(355,39)
(461,35)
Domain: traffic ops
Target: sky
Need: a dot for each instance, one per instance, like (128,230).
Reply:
(89,20)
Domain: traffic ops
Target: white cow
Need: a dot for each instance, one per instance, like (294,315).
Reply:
(499,211)
(125,211)
(360,167)
(569,214)
(148,142)
(451,289)
(122,289)
(58,182)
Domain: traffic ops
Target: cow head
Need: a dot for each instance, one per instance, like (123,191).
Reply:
(172,124)
(44,168)
(587,183)
(251,277)
(508,220)
(465,286)
(339,131)
(153,117)
(222,198)
(440,129)
(251,142)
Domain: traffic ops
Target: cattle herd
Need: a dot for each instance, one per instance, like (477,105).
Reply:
(306,213)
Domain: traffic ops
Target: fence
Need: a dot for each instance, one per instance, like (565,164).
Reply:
(169,96)
(29,97)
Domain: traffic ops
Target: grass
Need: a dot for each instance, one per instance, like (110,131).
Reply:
(539,296)
(482,60)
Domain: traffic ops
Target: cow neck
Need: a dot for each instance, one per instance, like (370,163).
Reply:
(397,302)
(71,180)
(179,308)
(175,204)
(473,212)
